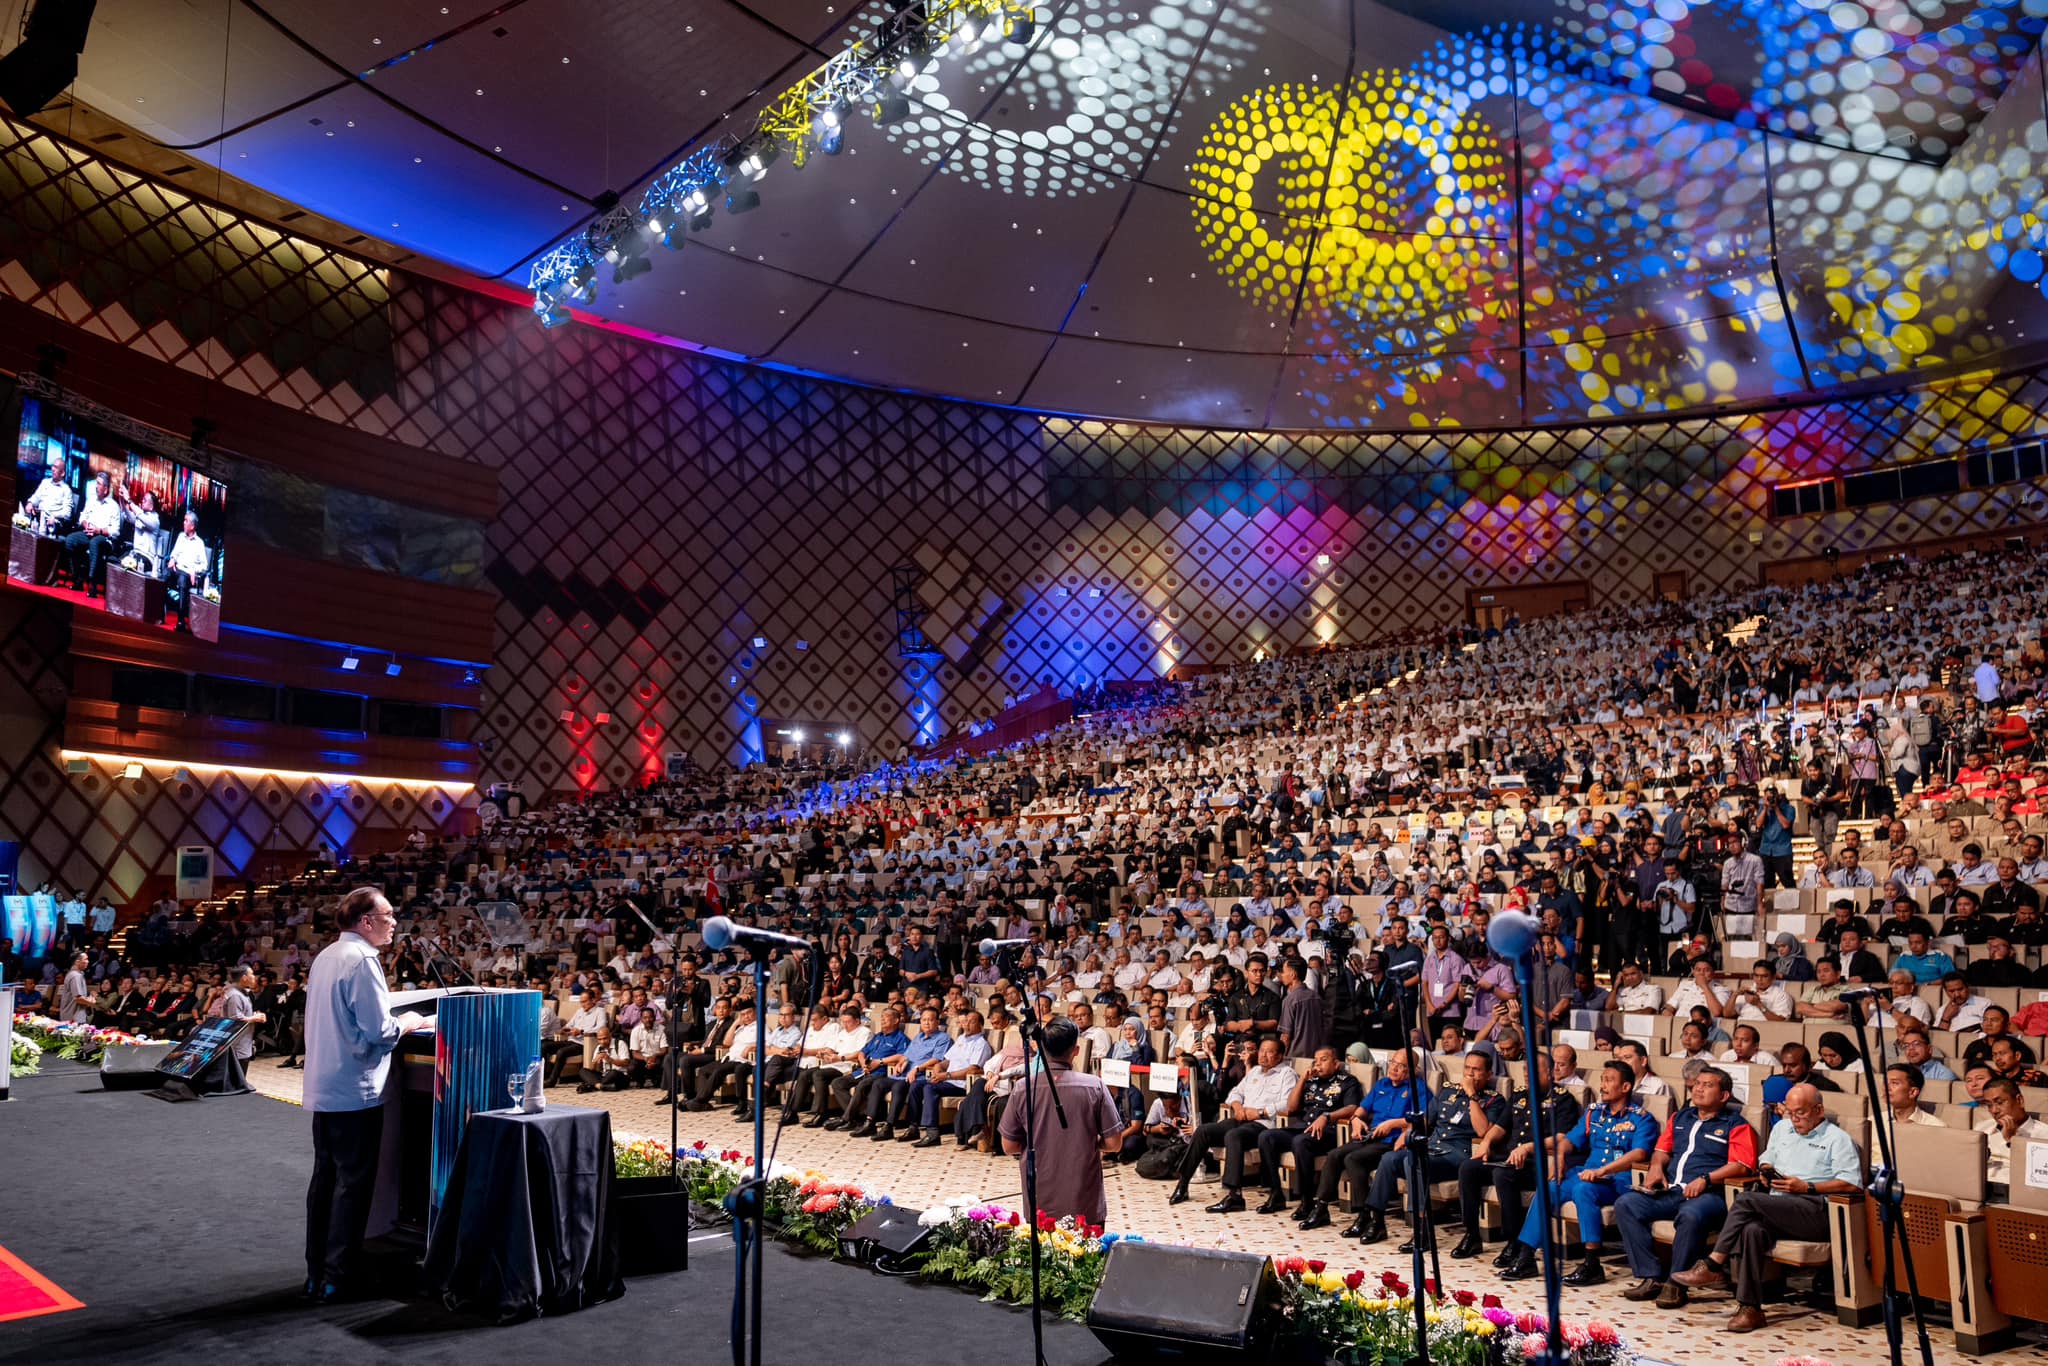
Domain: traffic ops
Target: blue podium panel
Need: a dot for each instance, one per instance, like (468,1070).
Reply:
(480,1040)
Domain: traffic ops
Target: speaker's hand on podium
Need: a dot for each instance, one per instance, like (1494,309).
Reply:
(412,1020)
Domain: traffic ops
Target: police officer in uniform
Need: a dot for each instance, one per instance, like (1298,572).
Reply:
(1380,1118)
(1616,1136)
(1458,1118)
(1514,1171)
(1326,1096)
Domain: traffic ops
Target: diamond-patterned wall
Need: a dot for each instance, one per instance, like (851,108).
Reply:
(663,512)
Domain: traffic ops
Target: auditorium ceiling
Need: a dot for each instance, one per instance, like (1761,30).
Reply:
(1280,213)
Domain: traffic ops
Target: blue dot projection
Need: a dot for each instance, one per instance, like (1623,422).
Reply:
(1660,257)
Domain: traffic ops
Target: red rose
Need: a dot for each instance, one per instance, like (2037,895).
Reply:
(1489,1302)
(1465,1298)
(698,1145)
(1016,1219)
(1400,1289)
(1354,1280)
(1430,1286)
(1316,1267)
(1046,1223)
(1390,1279)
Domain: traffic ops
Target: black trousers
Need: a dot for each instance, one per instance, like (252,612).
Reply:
(1508,1183)
(180,584)
(973,1113)
(92,549)
(1235,1136)
(1306,1149)
(345,1144)
(853,1094)
(774,1073)
(811,1091)
(1358,1160)
(709,1082)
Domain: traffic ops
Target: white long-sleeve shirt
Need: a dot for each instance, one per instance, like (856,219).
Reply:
(189,554)
(51,502)
(350,1030)
(1266,1090)
(102,516)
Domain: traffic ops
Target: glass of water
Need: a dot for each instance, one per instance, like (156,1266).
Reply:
(516,1083)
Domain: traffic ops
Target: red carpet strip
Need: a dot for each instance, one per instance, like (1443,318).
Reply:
(25,1293)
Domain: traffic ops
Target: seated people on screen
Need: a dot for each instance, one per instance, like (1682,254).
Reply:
(147,533)
(190,561)
(99,531)
(49,507)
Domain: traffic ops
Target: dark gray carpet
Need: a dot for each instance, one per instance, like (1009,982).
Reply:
(182,1229)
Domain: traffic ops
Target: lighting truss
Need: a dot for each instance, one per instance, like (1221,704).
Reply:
(866,79)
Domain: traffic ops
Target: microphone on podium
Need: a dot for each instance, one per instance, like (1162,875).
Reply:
(990,946)
(720,932)
(1513,935)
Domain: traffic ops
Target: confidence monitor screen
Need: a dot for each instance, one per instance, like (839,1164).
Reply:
(108,522)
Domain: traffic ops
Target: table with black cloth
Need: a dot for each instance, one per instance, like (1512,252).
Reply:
(524,1228)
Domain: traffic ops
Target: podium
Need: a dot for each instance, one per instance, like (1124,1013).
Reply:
(439,1078)
(138,597)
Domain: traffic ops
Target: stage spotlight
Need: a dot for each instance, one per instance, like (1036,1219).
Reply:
(631,268)
(829,139)
(696,201)
(741,201)
(349,663)
(583,283)
(834,114)
(45,62)
(797,736)
(891,109)
(758,160)
(1022,29)
(845,738)
(554,315)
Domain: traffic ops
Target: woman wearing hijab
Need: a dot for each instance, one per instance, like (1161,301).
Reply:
(1837,1054)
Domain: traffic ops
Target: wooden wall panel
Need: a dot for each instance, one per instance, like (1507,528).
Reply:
(177,737)
(274,592)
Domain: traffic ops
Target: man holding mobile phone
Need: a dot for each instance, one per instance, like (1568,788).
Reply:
(1809,1157)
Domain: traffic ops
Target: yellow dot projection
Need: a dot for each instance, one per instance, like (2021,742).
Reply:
(1285,129)
(1386,205)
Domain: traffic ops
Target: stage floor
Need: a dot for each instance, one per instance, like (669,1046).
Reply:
(922,1177)
(181,1227)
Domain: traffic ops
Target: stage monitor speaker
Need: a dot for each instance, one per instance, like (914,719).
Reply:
(885,1233)
(132,1067)
(1185,1304)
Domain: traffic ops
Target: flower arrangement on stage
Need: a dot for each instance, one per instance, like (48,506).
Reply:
(79,1042)
(987,1247)
(25,1057)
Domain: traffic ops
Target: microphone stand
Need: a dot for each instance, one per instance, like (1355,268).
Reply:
(675,1049)
(1421,1231)
(1554,1353)
(749,1201)
(1034,1040)
(1890,1194)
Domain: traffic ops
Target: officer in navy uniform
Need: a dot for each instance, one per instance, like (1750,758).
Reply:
(1459,1117)
(1616,1136)
(1707,1143)
(1511,1172)
(1326,1096)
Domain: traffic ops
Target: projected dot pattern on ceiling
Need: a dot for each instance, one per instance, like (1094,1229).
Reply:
(1093,96)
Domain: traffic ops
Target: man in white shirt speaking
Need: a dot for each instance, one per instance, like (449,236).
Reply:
(99,527)
(350,1032)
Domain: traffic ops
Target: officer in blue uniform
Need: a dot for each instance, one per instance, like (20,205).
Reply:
(1616,1137)
(1380,1119)
(1459,1117)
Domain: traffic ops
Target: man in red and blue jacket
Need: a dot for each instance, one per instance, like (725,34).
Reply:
(1706,1143)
